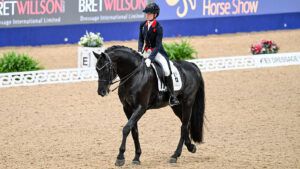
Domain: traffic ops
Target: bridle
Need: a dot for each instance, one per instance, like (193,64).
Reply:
(113,72)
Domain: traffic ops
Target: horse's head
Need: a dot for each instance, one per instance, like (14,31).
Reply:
(106,73)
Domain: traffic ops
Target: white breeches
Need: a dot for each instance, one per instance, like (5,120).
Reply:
(162,60)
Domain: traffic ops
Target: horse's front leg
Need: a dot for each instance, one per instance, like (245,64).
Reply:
(138,150)
(137,114)
(135,136)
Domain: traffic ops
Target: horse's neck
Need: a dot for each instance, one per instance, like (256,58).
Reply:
(124,64)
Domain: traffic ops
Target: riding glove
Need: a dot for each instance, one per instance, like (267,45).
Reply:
(148,62)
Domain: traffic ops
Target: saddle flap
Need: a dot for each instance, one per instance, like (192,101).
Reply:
(177,80)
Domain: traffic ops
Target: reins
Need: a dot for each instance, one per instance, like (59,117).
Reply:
(124,79)
(127,77)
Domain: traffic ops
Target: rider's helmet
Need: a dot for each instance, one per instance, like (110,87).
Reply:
(152,8)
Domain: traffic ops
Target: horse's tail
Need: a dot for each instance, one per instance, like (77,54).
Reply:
(197,118)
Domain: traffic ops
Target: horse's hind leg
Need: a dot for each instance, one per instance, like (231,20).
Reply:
(178,112)
(184,136)
(188,143)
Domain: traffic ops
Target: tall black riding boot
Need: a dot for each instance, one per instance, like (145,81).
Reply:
(173,100)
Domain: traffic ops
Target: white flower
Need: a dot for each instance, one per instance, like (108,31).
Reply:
(91,39)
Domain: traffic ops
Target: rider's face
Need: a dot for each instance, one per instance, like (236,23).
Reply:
(150,16)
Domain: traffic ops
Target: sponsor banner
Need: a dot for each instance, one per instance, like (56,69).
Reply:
(176,9)
(22,13)
(277,60)
(247,62)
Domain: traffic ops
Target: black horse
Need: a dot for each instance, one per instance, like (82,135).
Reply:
(138,92)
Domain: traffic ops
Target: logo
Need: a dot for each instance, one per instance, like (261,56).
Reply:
(215,7)
(31,7)
(186,3)
(89,6)
(172,2)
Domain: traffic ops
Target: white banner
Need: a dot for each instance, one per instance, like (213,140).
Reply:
(246,62)
(205,65)
(47,77)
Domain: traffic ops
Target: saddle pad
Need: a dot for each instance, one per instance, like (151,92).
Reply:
(177,82)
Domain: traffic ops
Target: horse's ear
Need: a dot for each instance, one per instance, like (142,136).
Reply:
(104,55)
(96,55)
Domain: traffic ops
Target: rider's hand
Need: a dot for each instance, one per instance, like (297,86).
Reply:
(148,62)
(140,53)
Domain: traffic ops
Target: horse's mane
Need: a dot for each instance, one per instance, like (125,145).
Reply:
(123,48)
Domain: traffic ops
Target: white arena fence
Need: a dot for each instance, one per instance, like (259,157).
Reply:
(89,74)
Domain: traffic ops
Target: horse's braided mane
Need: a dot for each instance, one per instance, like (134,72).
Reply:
(124,48)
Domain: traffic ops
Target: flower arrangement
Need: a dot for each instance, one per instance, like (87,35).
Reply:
(264,47)
(91,39)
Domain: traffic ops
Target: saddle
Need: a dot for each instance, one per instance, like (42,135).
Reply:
(176,76)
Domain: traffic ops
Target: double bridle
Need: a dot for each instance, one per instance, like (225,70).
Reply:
(113,72)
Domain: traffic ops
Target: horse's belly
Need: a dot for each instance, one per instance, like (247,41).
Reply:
(161,100)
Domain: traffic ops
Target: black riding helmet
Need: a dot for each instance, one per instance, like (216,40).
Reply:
(152,8)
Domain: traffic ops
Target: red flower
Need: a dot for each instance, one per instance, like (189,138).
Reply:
(154,30)
(264,41)
(256,49)
(267,43)
(270,43)
(258,46)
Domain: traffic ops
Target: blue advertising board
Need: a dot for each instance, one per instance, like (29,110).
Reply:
(188,9)
(39,22)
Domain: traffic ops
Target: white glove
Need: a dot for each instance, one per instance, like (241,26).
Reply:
(140,53)
(148,62)
(146,54)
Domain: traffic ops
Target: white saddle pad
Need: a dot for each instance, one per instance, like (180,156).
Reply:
(177,82)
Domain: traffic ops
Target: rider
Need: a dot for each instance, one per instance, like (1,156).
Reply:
(151,33)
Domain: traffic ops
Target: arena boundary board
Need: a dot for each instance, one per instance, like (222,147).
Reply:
(58,76)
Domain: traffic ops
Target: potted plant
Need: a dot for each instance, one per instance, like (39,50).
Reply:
(89,43)
(264,47)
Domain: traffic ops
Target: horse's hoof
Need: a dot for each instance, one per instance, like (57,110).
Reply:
(135,162)
(173,160)
(120,162)
(192,149)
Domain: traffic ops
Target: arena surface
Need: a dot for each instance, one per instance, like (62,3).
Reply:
(253,116)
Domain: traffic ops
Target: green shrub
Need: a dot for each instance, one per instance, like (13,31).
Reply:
(180,51)
(13,62)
